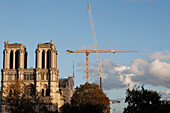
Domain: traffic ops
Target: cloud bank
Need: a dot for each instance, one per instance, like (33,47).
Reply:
(166,94)
(154,70)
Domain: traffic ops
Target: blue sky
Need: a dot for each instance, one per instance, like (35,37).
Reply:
(141,25)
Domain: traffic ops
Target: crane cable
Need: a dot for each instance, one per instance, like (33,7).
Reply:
(95,42)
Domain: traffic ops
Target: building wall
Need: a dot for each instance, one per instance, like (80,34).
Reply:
(66,86)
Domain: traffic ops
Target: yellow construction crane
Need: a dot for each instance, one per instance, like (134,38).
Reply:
(96,51)
(96,48)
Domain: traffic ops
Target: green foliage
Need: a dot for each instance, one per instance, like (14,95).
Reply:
(142,101)
(19,100)
(88,98)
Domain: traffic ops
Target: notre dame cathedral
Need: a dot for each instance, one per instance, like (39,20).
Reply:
(44,78)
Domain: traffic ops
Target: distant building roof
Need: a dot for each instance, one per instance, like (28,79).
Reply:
(63,82)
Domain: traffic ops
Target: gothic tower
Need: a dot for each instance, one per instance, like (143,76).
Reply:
(15,56)
(14,62)
(47,72)
(46,56)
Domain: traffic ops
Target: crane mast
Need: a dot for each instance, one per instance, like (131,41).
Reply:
(95,44)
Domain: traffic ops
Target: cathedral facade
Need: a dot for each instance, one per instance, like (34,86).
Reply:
(44,78)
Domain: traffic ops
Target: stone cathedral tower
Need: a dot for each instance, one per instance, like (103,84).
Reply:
(14,62)
(15,56)
(44,79)
(47,73)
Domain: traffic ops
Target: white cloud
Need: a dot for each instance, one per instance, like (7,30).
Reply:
(160,55)
(165,94)
(112,75)
(154,71)
(155,68)
(139,66)
(126,78)
(160,69)
(106,63)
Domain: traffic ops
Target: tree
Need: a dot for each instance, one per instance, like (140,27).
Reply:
(66,108)
(165,106)
(21,99)
(142,101)
(88,98)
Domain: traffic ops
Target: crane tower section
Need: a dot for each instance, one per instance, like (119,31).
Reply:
(95,44)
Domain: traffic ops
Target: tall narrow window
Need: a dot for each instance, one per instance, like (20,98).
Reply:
(47,92)
(56,60)
(17,59)
(43,59)
(31,76)
(4,59)
(25,77)
(48,59)
(36,60)
(11,60)
(28,77)
(25,60)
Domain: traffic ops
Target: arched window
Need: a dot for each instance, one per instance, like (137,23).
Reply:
(31,76)
(25,60)
(47,92)
(42,92)
(17,59)
(11,60)
(48,59)
(43,59)
(28,77)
